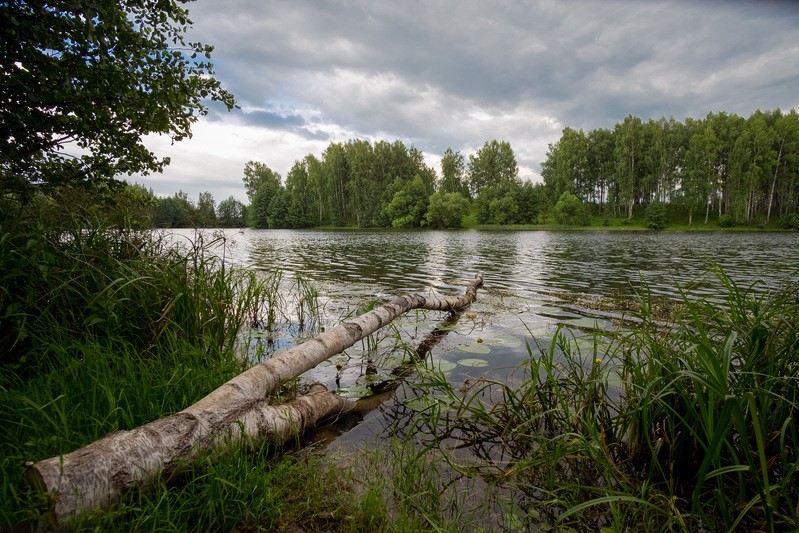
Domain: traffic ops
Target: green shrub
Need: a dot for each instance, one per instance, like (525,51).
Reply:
(446,210)
(655,215)
(726,221)
(790,221)
(570,211)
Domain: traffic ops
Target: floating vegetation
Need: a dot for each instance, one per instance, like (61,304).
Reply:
(474,363)
(506,341)
(442,366)
(354,391)
(474,347)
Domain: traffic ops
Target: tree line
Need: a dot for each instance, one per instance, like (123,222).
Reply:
(388,184)
(734,169)
(743,170)
(358,183)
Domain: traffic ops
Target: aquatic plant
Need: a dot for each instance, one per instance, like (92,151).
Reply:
(685,425)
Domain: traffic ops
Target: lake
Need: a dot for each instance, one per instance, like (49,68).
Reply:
(536,283)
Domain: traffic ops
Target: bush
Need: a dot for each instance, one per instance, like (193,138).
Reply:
(446,210)
(570,211)
(790,221)
(726,221)
(655,215)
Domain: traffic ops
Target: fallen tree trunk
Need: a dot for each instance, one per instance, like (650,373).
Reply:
(95,476)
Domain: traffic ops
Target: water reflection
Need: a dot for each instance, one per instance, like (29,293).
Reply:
(535,281)
(524,263)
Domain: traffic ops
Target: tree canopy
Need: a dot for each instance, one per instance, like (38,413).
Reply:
(83,81)
(746,169)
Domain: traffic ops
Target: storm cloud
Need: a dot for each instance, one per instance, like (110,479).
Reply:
(440,74)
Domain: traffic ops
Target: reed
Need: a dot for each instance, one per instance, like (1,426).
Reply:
(687,425)
(105,329)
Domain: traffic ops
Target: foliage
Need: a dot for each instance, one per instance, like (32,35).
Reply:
(655,215)
(726,221)
(453,173)
(301,201)
(747,168)
(790,221)
(724,164)
(84,81)
(570,211)
(493,165)
(206,210)
(510,203)
(267,202)
(257,175)
(104,329)
(446,210)
(173,211)
(230,213)
(409,205)
(89,279)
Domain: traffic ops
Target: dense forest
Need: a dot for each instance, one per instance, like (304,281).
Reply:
(723,168)
(745,169)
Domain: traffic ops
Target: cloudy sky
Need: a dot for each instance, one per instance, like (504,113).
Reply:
(447,73)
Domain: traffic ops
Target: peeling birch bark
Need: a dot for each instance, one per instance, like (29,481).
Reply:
(95,476)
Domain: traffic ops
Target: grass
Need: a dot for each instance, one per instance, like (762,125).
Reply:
(686,427)
(679,427)
(103,329)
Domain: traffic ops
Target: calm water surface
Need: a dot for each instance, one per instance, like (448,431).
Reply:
(535,283)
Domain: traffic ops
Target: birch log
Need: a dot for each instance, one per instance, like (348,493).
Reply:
(95,476)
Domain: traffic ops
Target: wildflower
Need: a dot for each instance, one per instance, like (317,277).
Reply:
(598,360)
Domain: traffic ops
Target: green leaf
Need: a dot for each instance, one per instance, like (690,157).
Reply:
(474,347)
(508,341)
(440,366)
(355,391)
(475,363)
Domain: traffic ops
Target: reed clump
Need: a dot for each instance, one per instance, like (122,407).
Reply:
(689,425)
(104,327)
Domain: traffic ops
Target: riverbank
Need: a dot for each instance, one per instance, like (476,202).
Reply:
(92,365)
(605,224)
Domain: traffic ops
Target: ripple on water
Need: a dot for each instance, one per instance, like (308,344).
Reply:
(535,281)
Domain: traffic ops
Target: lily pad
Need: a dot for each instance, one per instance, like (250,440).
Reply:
(355,391)
(587,323)
(475,363)
(474,347)
(507,341)
(440,365)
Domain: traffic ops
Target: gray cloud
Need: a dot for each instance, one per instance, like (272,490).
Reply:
(439,74)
